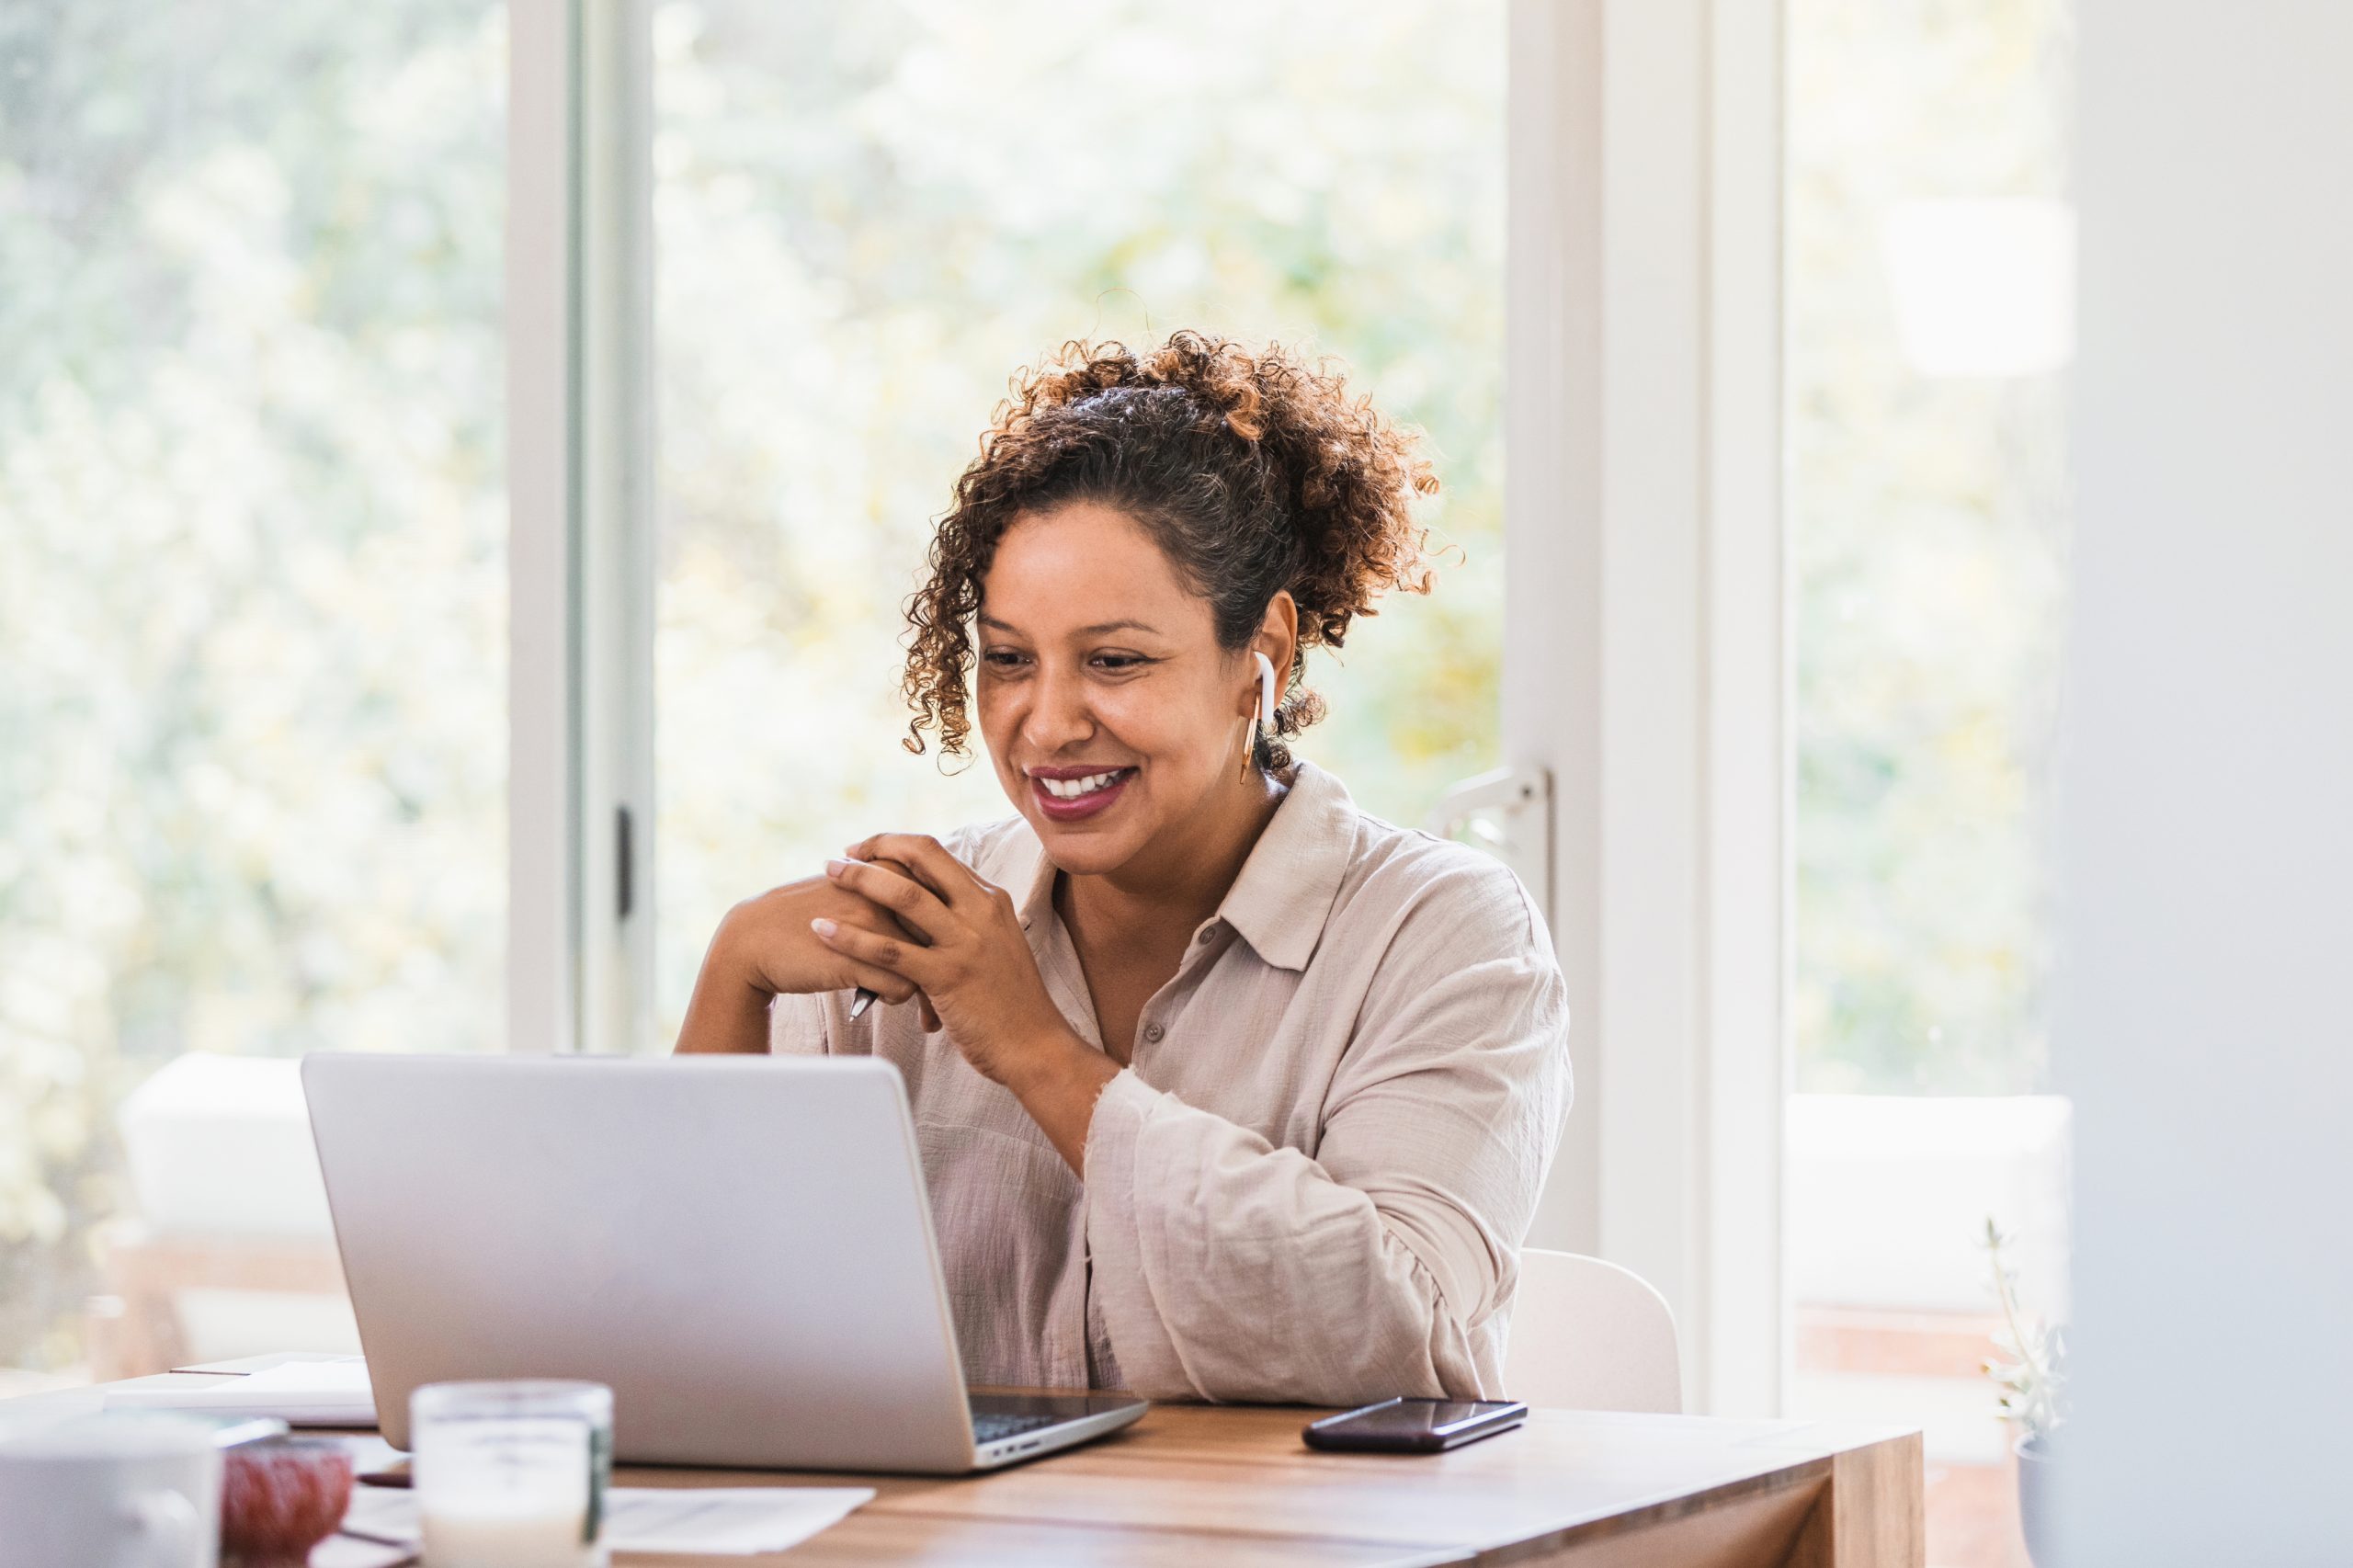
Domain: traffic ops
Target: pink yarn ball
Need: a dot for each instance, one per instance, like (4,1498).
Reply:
(279,1498)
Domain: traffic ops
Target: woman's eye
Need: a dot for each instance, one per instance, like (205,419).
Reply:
(1121,661)
(1003,659)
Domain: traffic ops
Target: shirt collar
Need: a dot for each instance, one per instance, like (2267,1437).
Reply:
(1037,896)
(1283,897)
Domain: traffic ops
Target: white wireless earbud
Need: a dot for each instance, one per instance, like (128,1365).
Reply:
(1265,714)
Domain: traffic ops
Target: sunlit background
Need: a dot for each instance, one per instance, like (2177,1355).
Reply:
(867,219)
(253,595)
(253,572)
(1928,296)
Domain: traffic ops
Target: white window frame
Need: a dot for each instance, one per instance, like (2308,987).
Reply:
(581,550)
(1646,662)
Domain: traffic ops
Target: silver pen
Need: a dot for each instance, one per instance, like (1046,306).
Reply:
(865,998)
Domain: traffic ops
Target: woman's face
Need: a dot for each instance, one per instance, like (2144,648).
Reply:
(1111,711)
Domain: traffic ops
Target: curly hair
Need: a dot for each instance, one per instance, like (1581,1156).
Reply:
(1255,472)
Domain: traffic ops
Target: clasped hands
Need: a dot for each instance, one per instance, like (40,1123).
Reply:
(903,917)
(953,942)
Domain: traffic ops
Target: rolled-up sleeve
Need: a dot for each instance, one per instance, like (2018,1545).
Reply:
(1228,1268)
(798,1025)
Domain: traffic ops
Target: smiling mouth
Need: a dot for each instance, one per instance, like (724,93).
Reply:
(1086,784)
(1067,795)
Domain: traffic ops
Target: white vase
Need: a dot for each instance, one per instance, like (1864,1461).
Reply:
(2034,1499)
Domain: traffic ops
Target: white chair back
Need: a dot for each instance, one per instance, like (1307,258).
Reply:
(1590,1336)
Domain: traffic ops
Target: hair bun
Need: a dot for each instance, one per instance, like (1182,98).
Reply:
(1351,475)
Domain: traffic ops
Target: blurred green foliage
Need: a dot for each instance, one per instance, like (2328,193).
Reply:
(252,512)
(868,217)
(253,725)
(1927,522)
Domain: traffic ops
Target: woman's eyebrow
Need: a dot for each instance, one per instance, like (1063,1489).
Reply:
(1098,630)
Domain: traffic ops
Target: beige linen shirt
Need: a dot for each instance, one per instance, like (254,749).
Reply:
(1311,1183)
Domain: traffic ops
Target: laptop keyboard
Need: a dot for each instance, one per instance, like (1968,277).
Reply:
(990,1427)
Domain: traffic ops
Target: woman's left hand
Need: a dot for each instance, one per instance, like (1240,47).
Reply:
(976,968)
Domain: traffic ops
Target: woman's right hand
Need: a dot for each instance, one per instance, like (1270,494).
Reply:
(765,947)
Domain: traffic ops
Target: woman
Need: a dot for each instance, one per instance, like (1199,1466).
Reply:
(1224,1090)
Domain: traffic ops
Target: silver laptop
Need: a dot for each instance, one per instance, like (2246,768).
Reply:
(740,1246)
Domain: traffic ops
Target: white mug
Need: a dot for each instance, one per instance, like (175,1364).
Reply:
(111,1492)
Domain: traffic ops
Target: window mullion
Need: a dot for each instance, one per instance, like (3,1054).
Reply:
(580,465)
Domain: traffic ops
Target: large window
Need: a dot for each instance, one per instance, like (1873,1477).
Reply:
(868,216)
(253,732)
(253,520)
(252,561)
(1929,287)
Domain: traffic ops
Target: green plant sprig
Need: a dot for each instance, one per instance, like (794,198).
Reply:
(2030,1378)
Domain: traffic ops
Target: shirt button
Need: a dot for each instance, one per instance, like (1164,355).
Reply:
(1208,934)
(1152,1033)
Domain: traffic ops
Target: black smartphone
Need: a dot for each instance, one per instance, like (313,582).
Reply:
(1414,1425)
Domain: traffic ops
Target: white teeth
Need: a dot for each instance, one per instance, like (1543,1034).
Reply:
(1072,789)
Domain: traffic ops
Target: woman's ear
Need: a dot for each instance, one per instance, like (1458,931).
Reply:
(1277,638)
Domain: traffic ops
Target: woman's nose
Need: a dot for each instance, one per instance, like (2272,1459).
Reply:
(1058,716)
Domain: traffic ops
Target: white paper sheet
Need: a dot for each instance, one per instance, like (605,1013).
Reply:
(306,1393)
(718,1521)
(350,1552)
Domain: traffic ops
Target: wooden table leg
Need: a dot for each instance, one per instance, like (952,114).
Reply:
(1873,1513)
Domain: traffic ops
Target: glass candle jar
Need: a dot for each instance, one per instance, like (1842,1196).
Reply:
(511,1474)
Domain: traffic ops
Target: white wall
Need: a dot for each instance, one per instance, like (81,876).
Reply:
(1889,1196)
(2207,823)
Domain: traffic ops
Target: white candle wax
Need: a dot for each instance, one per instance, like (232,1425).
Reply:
(511,1531)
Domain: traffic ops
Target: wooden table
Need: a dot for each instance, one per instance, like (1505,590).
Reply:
(1204,1486)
